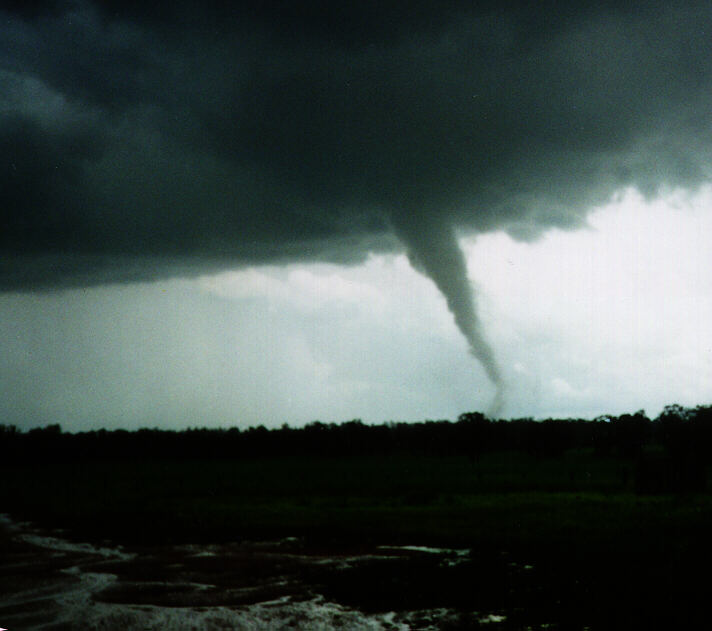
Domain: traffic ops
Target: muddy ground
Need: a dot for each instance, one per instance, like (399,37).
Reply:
(51,583)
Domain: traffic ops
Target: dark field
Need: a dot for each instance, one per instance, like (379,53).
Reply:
(446,500)
(564,541)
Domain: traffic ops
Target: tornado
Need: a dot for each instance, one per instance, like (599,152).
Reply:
(433,250)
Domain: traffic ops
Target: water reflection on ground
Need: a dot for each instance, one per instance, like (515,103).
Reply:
(48,582)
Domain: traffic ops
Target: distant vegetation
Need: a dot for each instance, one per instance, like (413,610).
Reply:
(671,452)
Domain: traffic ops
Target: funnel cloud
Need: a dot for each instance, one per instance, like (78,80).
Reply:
(433,250)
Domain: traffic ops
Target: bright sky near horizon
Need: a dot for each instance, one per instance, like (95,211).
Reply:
(608,319)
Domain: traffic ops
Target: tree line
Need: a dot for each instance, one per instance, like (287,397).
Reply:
(681,433)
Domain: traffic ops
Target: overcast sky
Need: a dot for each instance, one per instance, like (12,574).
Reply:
(254,212)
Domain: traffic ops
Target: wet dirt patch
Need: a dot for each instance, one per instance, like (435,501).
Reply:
(51,583)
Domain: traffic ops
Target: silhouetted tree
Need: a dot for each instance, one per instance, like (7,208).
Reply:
(681,434)
(631,432)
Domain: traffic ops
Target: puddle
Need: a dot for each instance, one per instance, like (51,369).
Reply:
(60,545)
(444,551)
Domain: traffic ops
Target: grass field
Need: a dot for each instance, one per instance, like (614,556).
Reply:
(422,497)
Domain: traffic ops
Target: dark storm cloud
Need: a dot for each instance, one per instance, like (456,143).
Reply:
(144,139)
